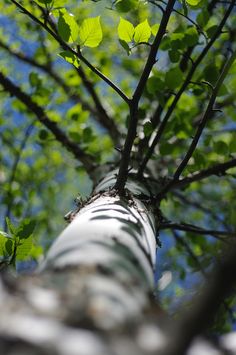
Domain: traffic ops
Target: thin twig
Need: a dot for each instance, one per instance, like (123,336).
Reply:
(186,227)
(217,169)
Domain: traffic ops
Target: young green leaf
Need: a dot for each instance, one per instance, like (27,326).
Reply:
(10,226)
(67,27)
(43,2)
(25,228)
(70,58)
(173,78)
(147,128)
(3,239)
(154,85)
(125,30)
(90,32)
(193,2)
(155,29)
(24,248)
(126,5)
(142,32)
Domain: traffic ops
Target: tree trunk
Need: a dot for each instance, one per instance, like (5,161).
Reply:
(98,275)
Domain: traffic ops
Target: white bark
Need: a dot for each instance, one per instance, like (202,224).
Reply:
(114,237)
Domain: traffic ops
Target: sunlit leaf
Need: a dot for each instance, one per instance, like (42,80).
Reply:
(25,228)
(24,248)
(70,58)
(90,32)
(67,27)
(154,29)
(142,32)
(125,30)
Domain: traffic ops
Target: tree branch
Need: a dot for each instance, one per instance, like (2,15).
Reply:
(78,54)
(186,227)
(132,129)
(99,112)
(200,128)
(205,117)
(153,52)
(60,136)
(218,170)
(103,118)
(182,89)
(13,172)
(199,206)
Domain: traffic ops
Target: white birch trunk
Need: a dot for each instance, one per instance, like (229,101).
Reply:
(112,244)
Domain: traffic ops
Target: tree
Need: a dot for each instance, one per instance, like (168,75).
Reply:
(137,96)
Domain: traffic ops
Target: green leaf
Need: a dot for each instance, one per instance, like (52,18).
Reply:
(177,41)
(43,134)
(142,32)
(191,36)
(90,32)
(9,246)
(25,228)
(203,18)
(147,128)
(67,27)
(24,248)
(155,29)
(43,2)
(211,31)
(126,5)
(35,80)
(174,78)
(11,227)
(221,148)
(125,46)
(70,58)
(125,30)
(193,2)
(174,56)
(3,239)
(154,85)
(211,73)
(185,7)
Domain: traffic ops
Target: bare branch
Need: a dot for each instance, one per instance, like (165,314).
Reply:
(218,170)
(186,227)
(60,136)
(132,129)
(183,88)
